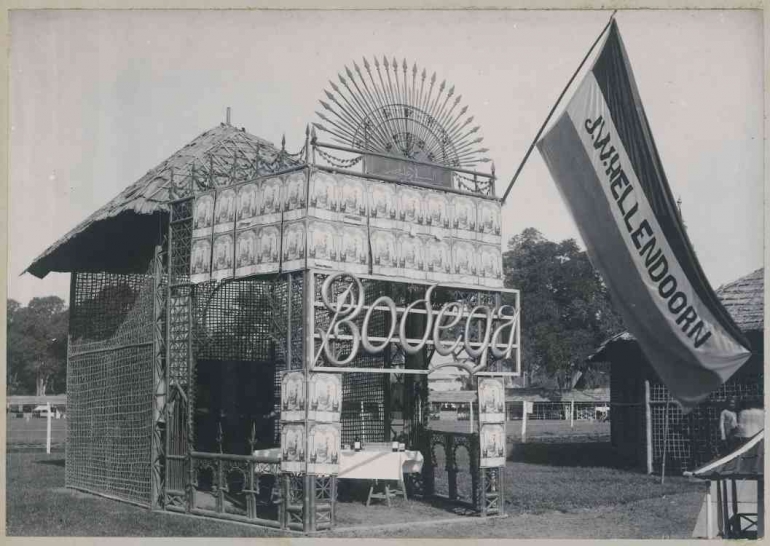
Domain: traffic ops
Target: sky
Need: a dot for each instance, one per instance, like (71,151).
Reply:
(98,98)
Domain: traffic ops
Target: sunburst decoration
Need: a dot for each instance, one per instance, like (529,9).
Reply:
(395,110)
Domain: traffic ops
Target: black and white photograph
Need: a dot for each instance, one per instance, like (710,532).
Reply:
(324,449)
(410,206)
(490,261)
(293,246)
(293,447)
(525,248)
(411,256)
(203,215)
(292,396)
(352,199)
(489,221)
(325,397)
(323,242)
(294,202)
(464,216)
(200,259)
(268,248)
(248,204)
(354,249)
(464,258)
(222,258)
(384,253)
(246,252)
(438,259)
(491,400)
(324,195)
(492,439)
(382,205)
(224,210)
(437,212)
(270,200)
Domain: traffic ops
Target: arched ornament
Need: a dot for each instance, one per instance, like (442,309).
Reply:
(391,109)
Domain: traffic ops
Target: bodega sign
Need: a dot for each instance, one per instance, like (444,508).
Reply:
(463,335)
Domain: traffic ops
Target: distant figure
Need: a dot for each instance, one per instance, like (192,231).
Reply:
(728,426)
(751,420)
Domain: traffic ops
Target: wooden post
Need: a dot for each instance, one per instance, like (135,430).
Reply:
(524,423)
(727,531)
(571,414)
(709,515)
(734,493)
(720,511)
(760,508)
(648,425)
(471,415)
(157,478)
(48,429)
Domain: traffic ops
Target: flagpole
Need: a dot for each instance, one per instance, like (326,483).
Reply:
(553,109)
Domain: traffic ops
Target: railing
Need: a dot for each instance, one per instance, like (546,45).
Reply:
(243,488)
(463,181)
(454,463)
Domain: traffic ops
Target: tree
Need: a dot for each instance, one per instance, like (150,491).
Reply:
(566,309)
(37,346)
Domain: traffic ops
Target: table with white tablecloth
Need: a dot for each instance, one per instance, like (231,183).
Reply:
(369,464)
(378,465)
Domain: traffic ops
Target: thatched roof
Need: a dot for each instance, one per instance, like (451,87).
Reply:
(744,299)
(121,235)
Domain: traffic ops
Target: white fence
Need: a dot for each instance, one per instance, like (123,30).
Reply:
(35,430)
(544,419)
(538,411)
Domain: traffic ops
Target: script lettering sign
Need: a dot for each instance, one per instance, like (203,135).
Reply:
(468,334)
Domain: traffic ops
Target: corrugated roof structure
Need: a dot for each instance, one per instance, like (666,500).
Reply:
(120,236)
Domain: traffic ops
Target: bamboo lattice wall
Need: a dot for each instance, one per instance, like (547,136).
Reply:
(110,385)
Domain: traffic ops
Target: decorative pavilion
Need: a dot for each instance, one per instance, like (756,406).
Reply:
(243,319)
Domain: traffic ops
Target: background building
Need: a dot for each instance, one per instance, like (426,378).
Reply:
(641,406)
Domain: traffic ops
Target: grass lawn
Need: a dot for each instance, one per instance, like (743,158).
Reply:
(22,433)
(553,490)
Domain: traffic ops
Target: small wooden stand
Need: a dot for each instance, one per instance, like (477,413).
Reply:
(387,493)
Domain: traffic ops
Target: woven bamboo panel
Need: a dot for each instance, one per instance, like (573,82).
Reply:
(109,385)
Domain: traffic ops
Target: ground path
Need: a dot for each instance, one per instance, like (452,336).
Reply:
(672,516)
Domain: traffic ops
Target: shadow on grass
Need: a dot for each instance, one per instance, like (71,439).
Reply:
(355,492)
(590,454)
(454,507)
(51,462)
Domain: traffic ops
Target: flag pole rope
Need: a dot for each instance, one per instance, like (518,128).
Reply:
(553,109)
